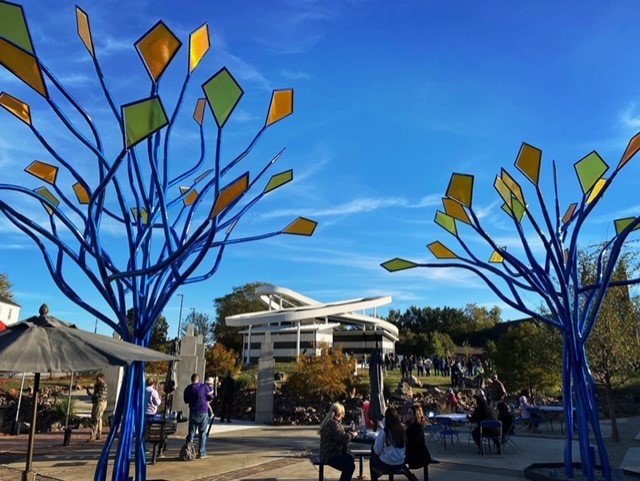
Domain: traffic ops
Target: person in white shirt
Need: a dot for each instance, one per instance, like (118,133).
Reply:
(152,397)
(389,447)
(529,411)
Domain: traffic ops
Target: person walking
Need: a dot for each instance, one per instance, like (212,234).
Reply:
(197,395)
(98,406)
(228,390)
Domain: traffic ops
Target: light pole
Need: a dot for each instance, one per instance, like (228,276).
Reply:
(180,314)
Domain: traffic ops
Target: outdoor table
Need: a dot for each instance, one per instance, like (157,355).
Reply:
(548,412)
(368,438)
(456,418)
(365,438)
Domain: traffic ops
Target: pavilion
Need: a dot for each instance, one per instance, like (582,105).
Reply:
(301,325)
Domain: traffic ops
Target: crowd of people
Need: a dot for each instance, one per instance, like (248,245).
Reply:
(464,371)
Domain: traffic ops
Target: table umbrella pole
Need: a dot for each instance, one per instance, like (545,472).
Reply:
(29,474)
(67,432)
(15,429)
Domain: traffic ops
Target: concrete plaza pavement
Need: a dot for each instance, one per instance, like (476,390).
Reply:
(243,451)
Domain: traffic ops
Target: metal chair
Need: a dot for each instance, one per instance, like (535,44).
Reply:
(491,430)
(447,429)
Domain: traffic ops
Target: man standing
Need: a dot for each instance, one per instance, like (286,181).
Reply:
(152,397)
(197,395)
(228,389)
(497,392)
(99,405)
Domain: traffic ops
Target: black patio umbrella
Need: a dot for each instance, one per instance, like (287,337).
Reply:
(45,344)
(378,405)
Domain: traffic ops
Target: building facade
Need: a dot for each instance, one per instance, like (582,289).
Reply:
(9,311)
(300,325)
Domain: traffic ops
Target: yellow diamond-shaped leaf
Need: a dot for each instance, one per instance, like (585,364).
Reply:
(632,149)
(230,193)
(190,197)
(281,106)
(496,258)
(517,208)
(16,106)
(512,185)
(46,194)
(529,161)
(81,193)
(144,215)
(568,215)
(43,171)
(455,210)
(199,43)
(23,65)
(440,251)
(279,180)
(398,264)
(84,30)
(503,190)
(507,209)
(198,114)
(460,189)
(301,226)
(157,47)
(600,183)
(447,222)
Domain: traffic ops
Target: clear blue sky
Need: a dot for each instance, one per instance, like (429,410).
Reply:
(391,97)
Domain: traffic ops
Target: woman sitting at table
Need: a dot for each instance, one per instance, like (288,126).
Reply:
(388,450)
(529,412)
(482,412)
(417,454)
(333,443)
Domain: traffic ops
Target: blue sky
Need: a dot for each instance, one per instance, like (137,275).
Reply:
(391,97)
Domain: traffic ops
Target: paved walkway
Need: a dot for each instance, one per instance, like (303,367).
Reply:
(242,451)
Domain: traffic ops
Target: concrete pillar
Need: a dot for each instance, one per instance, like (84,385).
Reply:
(298,340)
(192,361)
(113,376)
(266,384)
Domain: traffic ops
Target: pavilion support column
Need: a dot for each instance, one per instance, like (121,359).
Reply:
(298,341)
(29,474)
(248,350)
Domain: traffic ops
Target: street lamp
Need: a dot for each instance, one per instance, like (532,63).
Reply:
(180,314)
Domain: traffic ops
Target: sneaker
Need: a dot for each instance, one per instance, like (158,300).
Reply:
(202,456)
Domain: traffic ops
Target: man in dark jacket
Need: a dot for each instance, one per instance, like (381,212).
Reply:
(198,395)
(228,390)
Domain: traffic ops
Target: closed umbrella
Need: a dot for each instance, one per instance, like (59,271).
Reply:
(45,344)
(378,405)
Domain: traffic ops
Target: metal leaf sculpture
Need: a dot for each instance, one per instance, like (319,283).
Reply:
(175,234)
(571,303)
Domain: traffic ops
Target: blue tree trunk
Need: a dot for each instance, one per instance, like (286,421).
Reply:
(579,394)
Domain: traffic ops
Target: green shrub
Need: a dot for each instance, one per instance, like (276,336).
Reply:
(245,380)
(61,407)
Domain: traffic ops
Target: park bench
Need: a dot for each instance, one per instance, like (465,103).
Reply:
(315,460)
(157,433)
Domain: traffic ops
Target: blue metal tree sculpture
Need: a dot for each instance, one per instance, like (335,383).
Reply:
(175,215)
(554,277)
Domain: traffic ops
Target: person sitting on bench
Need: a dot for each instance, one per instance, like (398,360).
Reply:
(389,447)
(417,453)
(333,443)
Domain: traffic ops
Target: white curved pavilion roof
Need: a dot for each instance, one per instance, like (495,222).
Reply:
(288,306)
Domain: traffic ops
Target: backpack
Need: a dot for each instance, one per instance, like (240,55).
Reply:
(188,452)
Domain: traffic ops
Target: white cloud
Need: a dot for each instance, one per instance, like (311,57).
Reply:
(630,117)
(295,75)
(357,206)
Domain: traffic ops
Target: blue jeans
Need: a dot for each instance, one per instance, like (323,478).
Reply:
(199,421)
(345,464)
